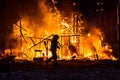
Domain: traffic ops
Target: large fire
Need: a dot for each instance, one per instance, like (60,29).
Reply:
(31,38)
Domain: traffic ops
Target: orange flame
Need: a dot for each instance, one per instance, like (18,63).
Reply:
(80,45)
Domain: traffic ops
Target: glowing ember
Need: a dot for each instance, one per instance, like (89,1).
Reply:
(34,37)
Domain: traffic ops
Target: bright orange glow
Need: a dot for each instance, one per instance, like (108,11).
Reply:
(82,46)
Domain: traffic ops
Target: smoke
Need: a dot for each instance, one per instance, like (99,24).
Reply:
(11,11)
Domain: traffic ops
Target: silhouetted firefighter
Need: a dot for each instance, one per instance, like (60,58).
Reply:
(54,46)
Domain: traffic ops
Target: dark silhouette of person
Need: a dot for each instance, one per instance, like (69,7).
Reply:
(54,46)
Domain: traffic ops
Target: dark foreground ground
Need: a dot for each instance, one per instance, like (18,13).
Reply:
(67,70)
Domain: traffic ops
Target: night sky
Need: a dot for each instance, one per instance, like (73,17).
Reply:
(12,10)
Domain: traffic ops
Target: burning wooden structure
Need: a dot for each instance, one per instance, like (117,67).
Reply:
(32,38)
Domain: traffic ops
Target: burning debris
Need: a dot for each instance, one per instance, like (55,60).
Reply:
(31,36)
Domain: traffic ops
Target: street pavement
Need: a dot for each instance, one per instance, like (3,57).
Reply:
(66,70)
